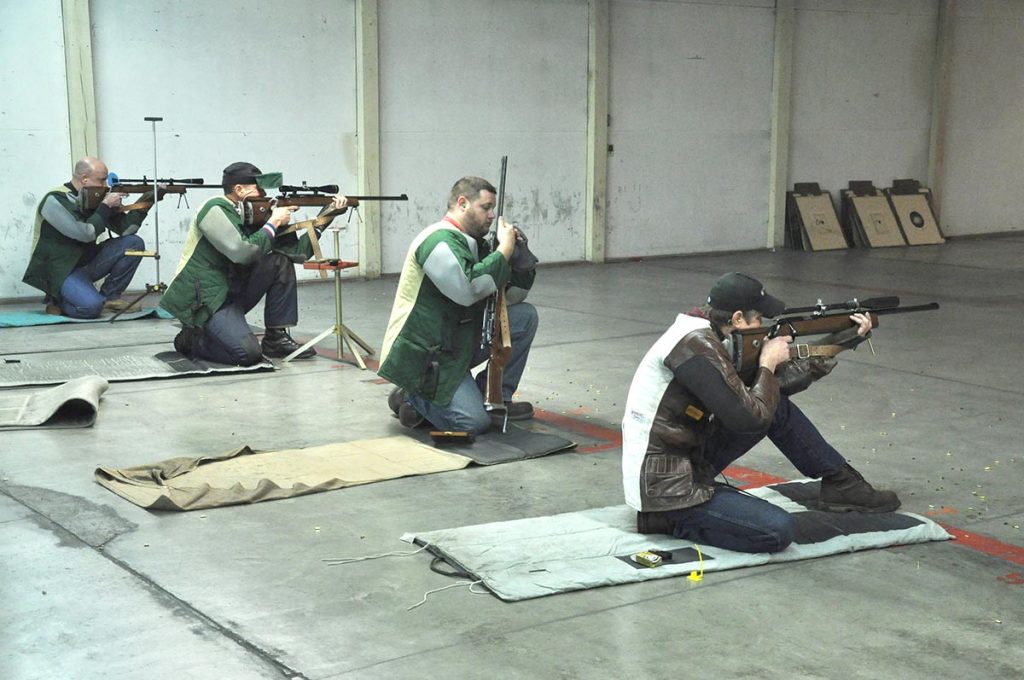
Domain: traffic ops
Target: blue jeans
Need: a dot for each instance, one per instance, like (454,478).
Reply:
(466,412)
(226,337)
(78,296)
(736,520)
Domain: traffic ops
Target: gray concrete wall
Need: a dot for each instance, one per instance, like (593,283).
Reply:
(34,138)
(984,150)
(689,99)
(270,84)
(464,81)
(861,99)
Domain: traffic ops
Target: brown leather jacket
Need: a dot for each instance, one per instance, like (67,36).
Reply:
(701,393)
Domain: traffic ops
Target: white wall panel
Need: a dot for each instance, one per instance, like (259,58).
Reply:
(34,134)
(690,91)
(464,82)
(272,83)
(984,162)
(861,94)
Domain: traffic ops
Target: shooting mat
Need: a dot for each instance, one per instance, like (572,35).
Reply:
(527,558)
(39,371)
(250,476)
(493,447)
(20,319)
(73,404)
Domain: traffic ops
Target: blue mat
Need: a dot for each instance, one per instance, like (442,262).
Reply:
(19,319)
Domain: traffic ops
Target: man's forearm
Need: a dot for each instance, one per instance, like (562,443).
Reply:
(67,224)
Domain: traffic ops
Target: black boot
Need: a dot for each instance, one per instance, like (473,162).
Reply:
(654,523)
(184,340)
(846,491)
(277,343)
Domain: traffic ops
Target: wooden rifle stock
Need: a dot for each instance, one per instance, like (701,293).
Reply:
(747,343)
(257,210)
(92,196)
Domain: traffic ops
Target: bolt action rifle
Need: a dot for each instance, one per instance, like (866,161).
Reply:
(256,211)
(496,336)
(90,197)
(830,320)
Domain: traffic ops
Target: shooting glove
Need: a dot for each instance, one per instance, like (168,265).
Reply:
(522,259)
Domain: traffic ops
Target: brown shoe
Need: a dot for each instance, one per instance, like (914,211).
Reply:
(54,309)
(121,305)
(519,410)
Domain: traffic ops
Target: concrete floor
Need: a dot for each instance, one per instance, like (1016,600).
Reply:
(95,587)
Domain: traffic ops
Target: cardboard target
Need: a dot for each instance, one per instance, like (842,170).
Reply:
(916,219)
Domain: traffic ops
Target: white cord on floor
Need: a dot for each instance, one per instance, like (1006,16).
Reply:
(334,561)
(453,585)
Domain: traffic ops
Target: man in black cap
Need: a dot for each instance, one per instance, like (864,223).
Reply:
(227,267)
(689,415)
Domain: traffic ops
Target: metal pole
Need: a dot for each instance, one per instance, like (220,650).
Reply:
(339,328)
(156,203)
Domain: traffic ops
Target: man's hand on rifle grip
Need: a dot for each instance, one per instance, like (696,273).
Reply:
(506,238)
(774,352)
(281,216)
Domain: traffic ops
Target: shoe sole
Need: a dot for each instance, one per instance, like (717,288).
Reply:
(826,507)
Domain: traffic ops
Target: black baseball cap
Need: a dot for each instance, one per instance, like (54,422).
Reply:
(736,291)
(247,173)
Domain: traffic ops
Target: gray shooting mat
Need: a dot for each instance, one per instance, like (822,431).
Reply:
(73,404)
(527,558)
(249,476)
(37,318)
(41,371)
(495,447)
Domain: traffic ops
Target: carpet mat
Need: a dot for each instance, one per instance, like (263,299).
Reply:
(73,404)
(248,476)
(42,371)
(528,558)
(496,447)
(21,319)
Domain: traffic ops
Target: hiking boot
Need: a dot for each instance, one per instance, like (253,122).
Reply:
(408,416)
(183,341)
(121,305)
(654,523)
(277,344)
(847,491)
(396,399)
(519,410)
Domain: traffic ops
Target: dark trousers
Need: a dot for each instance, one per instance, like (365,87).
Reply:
(226,337)
(78,296)
(738,521)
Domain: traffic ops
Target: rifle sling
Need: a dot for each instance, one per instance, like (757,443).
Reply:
(316,223)
(805,351)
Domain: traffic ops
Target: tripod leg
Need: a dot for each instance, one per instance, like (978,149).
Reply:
(309,344)
(362,343)
(347,338)
(131,304)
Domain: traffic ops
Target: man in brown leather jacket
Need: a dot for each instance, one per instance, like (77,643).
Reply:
(689,415)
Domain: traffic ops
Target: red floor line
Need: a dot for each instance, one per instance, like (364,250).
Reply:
(610,438)
(986,545)
(604,434)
